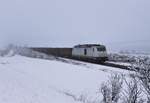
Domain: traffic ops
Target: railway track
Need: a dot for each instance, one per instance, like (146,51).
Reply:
(117,66)
(60,53)
(76,62)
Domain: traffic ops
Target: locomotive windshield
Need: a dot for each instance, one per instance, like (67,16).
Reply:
(101,48)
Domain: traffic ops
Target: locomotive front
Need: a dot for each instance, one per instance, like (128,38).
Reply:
(101,53)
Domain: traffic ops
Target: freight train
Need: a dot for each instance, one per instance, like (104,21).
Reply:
(86,52)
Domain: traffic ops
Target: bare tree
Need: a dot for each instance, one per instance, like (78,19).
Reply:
(133,92)
(142,68)
(111,90)
(105,90)
(116,81)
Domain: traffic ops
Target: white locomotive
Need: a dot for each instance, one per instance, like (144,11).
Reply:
(90,52)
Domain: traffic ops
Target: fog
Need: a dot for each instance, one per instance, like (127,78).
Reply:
(119,24)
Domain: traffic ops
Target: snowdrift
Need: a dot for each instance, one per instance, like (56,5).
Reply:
(25,80)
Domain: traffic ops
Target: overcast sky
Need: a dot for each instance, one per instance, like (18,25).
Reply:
(70,22)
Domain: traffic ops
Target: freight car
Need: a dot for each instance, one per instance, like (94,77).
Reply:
(90,52)
(58,52)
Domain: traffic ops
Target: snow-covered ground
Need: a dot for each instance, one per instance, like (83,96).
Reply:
(29,80)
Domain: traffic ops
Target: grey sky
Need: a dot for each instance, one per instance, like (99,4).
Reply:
(70,22)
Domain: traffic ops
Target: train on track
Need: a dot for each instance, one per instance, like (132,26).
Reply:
(85,52)
(93,53)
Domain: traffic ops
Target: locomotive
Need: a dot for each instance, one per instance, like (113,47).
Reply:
(91,52)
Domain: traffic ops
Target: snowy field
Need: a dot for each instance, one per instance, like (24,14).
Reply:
(29,80)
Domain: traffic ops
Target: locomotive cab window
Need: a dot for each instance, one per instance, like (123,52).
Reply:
(101,49)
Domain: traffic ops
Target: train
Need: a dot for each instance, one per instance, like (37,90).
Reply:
(85,52)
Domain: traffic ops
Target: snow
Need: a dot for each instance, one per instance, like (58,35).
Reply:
(29,80)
